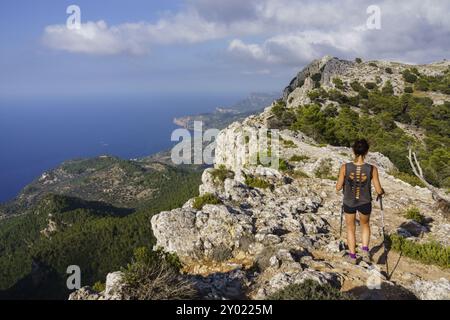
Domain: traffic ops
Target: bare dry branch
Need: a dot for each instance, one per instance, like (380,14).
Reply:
(417,169)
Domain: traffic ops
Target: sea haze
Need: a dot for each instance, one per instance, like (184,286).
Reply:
(37,135)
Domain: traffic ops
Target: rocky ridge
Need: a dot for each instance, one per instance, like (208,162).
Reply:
(260,239)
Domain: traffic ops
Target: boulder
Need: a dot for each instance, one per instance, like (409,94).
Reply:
(432,290)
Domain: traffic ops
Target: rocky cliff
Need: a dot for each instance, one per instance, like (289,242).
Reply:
(272,227)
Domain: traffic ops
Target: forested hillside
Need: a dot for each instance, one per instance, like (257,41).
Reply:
(37,246)
(393,120)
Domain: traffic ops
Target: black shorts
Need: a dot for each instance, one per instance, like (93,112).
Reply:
(364,208)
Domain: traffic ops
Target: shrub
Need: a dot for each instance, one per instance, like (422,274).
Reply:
(317,94)
(356,86)
(284,116)
(222,173)
(373,64)
(99,286)
(370,85)
(324,171)
(207,198)
(151,277)
(338,83)
(298,174)
(283,165)
(289,144)
(309,290)
(316,77)
(409,90)
(409,77)
(422,85)
(358,60)
(429,253)
(255,182)
(389,70)
(298,158)
(408,178)
(413,213)
(415,71)
(388,89)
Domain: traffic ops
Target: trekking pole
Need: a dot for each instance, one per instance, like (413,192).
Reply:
(341,243)
(380,198)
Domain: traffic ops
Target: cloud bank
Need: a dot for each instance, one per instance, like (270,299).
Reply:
(275,32)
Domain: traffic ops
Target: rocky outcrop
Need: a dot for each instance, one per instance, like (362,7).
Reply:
(432,290)
(247,220)
(316,67)
(113,290)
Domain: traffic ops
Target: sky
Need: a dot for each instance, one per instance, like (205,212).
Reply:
(202,46)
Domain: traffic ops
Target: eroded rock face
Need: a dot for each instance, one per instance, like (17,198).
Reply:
(248,218)
(317,66)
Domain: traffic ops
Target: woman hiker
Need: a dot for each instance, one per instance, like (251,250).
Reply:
(356,178)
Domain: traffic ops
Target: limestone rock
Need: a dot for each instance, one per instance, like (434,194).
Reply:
(283,279)
(432,290)
(114,285)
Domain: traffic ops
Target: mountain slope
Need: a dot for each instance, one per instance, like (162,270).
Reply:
(123,183)
(55,231)
(255,230)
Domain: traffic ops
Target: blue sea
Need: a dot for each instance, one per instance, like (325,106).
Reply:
(38,134)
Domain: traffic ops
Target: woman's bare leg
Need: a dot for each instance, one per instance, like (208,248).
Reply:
(364,219)
(350,223)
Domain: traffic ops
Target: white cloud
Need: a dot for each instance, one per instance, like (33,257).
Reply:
(133,38)
(91,38)
(291,32)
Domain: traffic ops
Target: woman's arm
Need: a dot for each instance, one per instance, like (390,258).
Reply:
(340,181)
(376,181)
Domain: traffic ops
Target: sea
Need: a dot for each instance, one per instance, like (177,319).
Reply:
(38,134)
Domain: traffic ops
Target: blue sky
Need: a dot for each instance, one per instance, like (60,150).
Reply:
(197,46)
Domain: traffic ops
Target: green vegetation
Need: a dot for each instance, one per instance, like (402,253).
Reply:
(370,85)
(409,77)
(358,60)
(298,174)
(152,276)
(256,182)
(389,70)
(222,173)
(438,83)
(324,170)
(96,236)
(408,178)
(413,213)
(409,90)
(429,253)
(298,158)
(387,89)
(207,198)
(373,64)
(309,290)
(289,144)
(99,286)
(338,83)
(316,77)
(283,165)
(380,110)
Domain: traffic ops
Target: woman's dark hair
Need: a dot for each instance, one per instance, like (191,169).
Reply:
(361,147)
